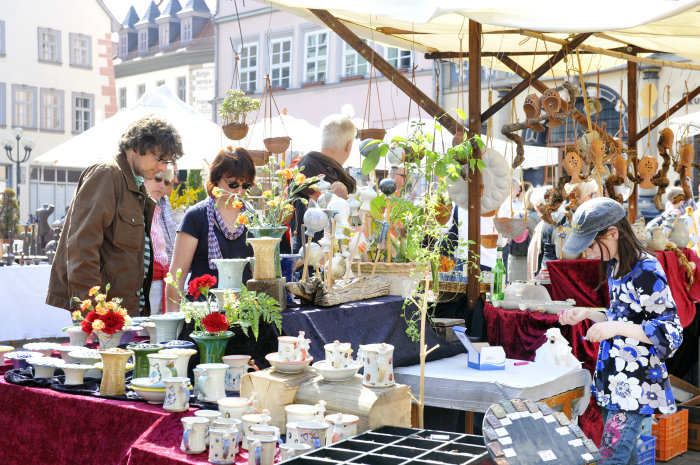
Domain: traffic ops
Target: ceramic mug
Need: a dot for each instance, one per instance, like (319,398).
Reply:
(290,450)
(161,366)
(238,365)
(235,407)
(342,427)
(265,430)
(222,445)
(262,450)
(338,354)
(249,421)
(177,394)
(292,435)
(210,416)
(210,383)
(313,433)
(377,360)
(301,412)
(195,429)
(287,349)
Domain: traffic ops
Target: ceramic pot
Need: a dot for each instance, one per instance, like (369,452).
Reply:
(222,445)
(270,232)
(77,336)
(647,169)
(265,265)
(640,231)
(168,326)
(230,272)
(313,433)
(141,364)
(195,429)
(238,365)
(234,407)
(114,371)
(183,359)
(377,360)
(109,341)
(344,426)
(161,366)
(235,131)
(277,144)
(687,157)
(510,227)
(339,354)
(210,383)
(211,347)
(177,394)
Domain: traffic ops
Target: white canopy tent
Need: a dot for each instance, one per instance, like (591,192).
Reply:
(686,125)
(201,138)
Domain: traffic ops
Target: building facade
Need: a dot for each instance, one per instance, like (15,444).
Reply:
(173,46)
(56,81)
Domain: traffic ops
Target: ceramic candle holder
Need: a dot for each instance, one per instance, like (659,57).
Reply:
(75,373)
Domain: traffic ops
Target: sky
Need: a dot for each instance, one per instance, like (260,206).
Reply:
(119,8)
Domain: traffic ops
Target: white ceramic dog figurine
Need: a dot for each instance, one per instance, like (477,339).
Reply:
(556,350)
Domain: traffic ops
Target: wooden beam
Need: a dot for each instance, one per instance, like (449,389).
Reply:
(525,83)
(457,55)
(474,233)
(680,104)
(395,76)
(631,131)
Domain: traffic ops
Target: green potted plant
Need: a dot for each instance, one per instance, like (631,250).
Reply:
(234,110)
(9,215)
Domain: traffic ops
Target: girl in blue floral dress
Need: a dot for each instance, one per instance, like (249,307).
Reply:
(637,333)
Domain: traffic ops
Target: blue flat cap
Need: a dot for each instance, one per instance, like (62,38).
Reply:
(590,218)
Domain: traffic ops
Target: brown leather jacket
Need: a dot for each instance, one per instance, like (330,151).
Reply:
(103,238)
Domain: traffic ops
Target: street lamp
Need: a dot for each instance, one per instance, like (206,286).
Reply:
(18,158)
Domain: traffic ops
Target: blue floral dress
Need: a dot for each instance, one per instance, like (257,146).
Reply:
(631,375)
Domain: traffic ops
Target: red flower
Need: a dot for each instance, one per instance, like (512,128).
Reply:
(215,322)
(200,285)
(86,326)
(113,322)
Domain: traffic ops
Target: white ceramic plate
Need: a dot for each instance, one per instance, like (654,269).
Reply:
(287,367)
(337,374)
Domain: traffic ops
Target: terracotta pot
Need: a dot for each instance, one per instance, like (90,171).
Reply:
(260,157)
(264,248)
(277,144)
(235,131)
(113,371)
(573,166)
(372,133)
(490,241)
(647,169)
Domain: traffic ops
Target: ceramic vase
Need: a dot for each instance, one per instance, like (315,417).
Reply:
(141,351)
(183,359)
(168,326)
(222,445)
(114,371)
(77,336)
(377,360)
(109,341)
(161,366)
(265,263)
(195,429)
(211,347)
(210,383)
(230,272)
(270,232)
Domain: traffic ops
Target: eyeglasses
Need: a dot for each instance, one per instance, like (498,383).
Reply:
(236,185)
(162,160)
(167,183)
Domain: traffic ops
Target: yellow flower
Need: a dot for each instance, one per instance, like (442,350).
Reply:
(111,305)
(100,297)
(242,219)
(289,207)
(300,178)
(216,192)
(94,290)
(273,202)
(98,325)
(237,204)
(267,194)
(76,314)
(101,310)
(86,303)
(122,311)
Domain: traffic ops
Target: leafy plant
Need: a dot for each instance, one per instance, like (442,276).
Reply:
(236,106)
(9,214)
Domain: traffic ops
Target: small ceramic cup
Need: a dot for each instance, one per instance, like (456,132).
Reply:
(223,444)
(338,354)
(194,434)
(301,412)
(287,349)
(265,430)
(263,450)
(234,407)
(249,420)
(294,449)
(177,394)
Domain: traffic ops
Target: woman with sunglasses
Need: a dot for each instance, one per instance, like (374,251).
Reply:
(157,188)
(211,230)
(637,333)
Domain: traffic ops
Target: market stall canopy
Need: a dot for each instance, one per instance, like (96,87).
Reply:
(201,138)
(438,25)
(305,136)
(686,125)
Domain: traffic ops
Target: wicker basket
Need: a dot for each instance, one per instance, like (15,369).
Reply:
(371,133)
(235,131)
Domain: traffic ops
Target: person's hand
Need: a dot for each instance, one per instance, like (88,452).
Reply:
(573,316)
(603,330)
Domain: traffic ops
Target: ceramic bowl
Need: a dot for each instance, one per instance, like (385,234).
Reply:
(65,350)
(46,348)
(4,350)
(152,396)
(19,357)
(337,374)
(296,366)
(44,367)
(144,383)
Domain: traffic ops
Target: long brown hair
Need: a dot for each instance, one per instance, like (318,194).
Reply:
(629,251)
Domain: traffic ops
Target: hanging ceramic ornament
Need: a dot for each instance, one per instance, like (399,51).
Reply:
(573,166)
(551,104)
(496,181)
(395,155)
(597,149)
(687,157)
(532,108)
(647,169)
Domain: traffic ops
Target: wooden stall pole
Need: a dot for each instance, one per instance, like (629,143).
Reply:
(306,259)
(632,131)
(474,235)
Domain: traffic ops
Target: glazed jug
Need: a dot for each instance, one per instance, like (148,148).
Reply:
(658,239)
(177,394)
(210,383)
(377,360)
(679,233)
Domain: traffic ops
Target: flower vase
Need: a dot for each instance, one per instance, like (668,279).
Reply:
(77,336)
(211,347)
(168,326)
(141,351)
(270,232)
(230,272)
(114,371)
(265,264)
(109,341)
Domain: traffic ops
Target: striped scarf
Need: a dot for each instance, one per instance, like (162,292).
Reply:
(213,214)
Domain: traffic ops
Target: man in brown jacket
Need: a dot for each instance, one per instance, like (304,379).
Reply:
(105,237)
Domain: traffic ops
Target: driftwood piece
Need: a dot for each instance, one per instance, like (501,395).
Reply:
(358,288)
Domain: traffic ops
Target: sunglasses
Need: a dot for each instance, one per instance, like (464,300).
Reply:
(164,161)
(167,183)
(236,185)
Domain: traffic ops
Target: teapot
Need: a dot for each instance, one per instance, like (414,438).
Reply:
(658,239)
(678,232)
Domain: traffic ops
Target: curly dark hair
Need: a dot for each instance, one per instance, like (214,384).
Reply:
(152,134)
(231,163)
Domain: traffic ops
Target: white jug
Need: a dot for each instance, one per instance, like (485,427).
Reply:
(193,435)
(210,384)
(377,360)
(177,394)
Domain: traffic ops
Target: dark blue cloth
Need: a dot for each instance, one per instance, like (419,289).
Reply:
(364,322)
(195,224)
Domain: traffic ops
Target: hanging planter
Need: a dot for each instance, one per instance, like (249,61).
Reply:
(235,131)
(260,157)
(371,133)
(277,144)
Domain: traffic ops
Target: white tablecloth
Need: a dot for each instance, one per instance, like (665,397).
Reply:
(23,313)
(450,383)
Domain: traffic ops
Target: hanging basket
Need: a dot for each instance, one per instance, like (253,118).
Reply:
(235,131)
(260,157)
(510,227)
(443,213)
(277,144)
(372,133)
(490,241)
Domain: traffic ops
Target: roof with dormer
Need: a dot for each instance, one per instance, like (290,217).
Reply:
(131,18)
(196,5)
(170,10)
(149,17)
